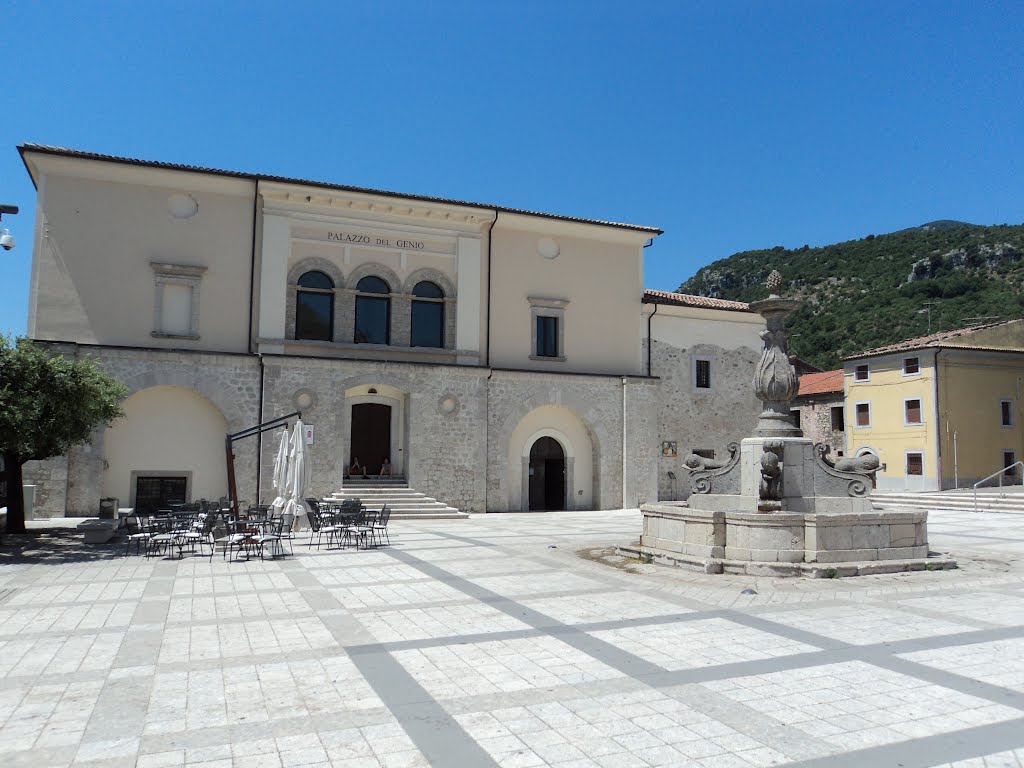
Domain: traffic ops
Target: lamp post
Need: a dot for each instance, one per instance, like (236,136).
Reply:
(6,238)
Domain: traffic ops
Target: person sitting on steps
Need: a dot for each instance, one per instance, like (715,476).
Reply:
(356,468)
(385,468)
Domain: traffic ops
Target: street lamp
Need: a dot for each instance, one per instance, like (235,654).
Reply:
(6,238)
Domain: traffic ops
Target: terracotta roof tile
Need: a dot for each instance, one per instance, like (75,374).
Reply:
(64,151)
(826,382)
(939,339)
(686,300)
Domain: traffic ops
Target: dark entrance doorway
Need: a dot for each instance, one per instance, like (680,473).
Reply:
(371,435)
(547,475)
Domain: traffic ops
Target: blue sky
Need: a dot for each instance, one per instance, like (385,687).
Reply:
(730,125)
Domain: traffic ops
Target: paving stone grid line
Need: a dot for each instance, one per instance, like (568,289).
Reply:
(168,663)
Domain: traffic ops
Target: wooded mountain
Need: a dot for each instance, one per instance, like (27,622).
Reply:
(879,290)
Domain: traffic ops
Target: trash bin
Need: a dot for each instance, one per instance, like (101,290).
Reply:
(108,508)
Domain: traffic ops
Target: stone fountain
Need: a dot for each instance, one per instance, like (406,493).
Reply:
(779,505)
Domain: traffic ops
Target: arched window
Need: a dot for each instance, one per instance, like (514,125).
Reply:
(373,311)
(427,315)
(314,307)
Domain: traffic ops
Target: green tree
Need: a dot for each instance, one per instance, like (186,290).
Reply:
(48,404)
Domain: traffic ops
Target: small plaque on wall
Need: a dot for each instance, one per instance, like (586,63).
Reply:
(669,448)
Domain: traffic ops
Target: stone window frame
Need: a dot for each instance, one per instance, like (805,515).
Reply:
(1013,455)
(329,292)
(917,366)
(545,307)
(398,329)
(135,474)
(1006,419)
(373,296)
(906,463)
(842,418)
(857,371)
(856,420)
(795,413)
(189,275)
(920,409)
(710,360)
(430,275)
(314,264)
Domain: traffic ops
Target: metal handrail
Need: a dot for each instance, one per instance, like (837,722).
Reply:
(998,474)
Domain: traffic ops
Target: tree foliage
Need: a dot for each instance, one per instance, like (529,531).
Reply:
(48,404)
(884,288)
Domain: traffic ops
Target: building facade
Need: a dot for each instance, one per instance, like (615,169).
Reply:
(501,360)
(819,410)
(940,411)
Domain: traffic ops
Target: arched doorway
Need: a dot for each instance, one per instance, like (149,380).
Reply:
(547,475)
(169,447)
(371,435)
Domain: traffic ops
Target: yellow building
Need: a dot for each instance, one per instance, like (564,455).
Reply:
(939,411)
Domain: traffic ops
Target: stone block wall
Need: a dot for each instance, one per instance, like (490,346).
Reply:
(444,411)
(73,485)
(596,400)
(700,418)
(816,421)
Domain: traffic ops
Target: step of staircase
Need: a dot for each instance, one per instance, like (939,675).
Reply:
(405,503)
(988,500)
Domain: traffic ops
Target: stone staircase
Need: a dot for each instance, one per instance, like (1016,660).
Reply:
(404,502)
(1008,499)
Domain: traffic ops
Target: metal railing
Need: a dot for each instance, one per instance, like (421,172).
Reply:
(1000,474)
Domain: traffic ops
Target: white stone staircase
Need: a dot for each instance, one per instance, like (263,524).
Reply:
(1007,499)
(404,502)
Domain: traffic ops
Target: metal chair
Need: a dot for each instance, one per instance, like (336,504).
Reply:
(380,526)
(139,533)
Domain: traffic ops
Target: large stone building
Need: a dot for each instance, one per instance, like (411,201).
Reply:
(501,359)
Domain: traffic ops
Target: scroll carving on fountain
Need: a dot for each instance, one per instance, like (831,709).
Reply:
(850,477)
(715,476)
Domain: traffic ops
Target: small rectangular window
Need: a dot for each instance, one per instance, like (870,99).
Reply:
(911,365)
(1006,412)
(863,414)
(838,419)
(1009,459)
(915,464)
(152,493)
(547,336)
(795,413)
(913,411)
(702,372)
(707,453)
(862,373)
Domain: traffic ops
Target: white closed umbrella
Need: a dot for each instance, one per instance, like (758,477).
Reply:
(280,480)
(300,475)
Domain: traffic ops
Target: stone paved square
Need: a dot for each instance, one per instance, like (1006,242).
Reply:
(508,640)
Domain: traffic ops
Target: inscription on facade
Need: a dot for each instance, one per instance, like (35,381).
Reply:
(376,241)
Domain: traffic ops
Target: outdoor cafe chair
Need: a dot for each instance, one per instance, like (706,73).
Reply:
(361,529)
(380,526)
(322,524)
(275,536)
(239,539)
(139,533)
(201,533)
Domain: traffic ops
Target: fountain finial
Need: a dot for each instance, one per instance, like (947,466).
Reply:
(774,282)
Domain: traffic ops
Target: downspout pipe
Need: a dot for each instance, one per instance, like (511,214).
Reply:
(624,501)
(252,268)
(649,318)
(938,430)
(490,252)
(259,438)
